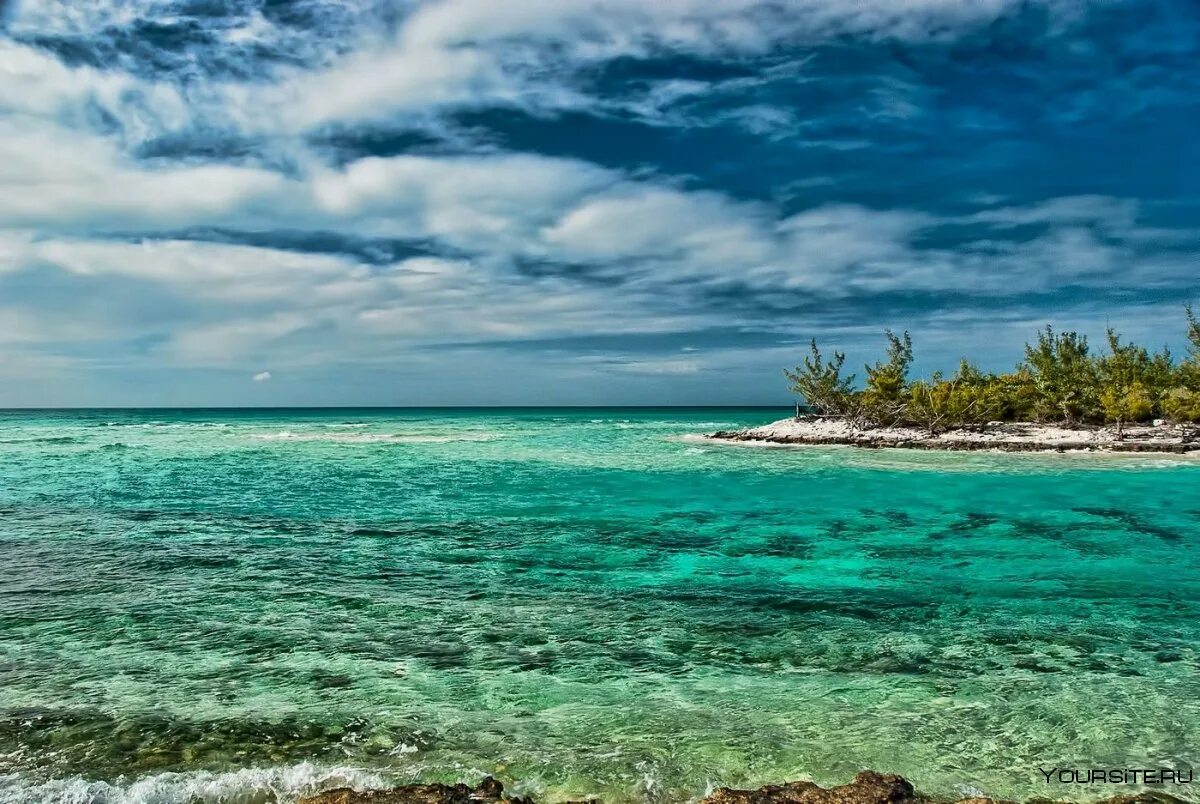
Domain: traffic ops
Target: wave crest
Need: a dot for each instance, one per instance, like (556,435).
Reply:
(245,786)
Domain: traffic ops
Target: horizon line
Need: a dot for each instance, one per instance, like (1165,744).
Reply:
(21,409)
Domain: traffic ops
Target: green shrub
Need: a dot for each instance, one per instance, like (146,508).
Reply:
(1060,380)
(1182,405)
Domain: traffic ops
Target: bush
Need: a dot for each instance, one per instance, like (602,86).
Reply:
(1182,405)
(1059,380)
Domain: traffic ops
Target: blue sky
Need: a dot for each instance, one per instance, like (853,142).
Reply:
(228,202)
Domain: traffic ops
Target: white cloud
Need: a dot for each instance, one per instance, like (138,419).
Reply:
(34,84)
(637,221)
(261,376)
(64,179)
(92,233)
(216,271)
(437,56)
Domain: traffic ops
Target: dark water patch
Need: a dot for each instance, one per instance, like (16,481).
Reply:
(1133,522)
(185,562)
(464,558)
(970,524)
(98,744)
(797,605)
(894,517)
(843,529)
(784,545)
(1036,665)
(905,552)
(441,655)
(694,517)
(43,440)
(378,533)
(325,680)
(1028,528)
(973,521)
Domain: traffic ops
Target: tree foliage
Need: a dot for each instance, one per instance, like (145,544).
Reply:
(821,384)
(1060,380)
(885,395)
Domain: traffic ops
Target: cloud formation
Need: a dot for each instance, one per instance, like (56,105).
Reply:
(391,198)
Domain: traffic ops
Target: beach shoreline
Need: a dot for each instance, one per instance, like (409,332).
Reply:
(994,436)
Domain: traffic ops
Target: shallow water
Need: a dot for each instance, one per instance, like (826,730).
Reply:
(242,606)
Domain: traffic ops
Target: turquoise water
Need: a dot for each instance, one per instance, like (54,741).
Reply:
(243,606)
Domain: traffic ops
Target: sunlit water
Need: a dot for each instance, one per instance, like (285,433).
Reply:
(245,606)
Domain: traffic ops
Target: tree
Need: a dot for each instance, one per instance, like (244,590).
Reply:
(821,383)
(967,398)
(1182,405)
(1131,381)
(1063,376)
(1130,403)
(1016,395)
(1060,379)
(1189,369)
(887,381)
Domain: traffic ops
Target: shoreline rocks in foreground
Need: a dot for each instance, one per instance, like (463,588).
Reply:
(998,436)
(868,787)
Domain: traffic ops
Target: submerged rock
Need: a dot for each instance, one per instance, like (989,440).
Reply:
(868,787)
(489,791)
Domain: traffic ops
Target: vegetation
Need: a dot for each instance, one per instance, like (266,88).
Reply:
(1060,380)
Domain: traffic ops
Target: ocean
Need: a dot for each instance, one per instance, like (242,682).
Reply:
(247,605)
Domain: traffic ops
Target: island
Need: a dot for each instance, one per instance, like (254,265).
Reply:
(1061,397)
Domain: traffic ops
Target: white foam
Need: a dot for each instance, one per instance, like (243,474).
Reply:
(375,438)
(246,786)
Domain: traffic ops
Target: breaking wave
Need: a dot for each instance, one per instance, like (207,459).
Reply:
(247,786)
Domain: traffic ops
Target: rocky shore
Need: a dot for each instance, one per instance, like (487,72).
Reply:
(868,787)
(999,436)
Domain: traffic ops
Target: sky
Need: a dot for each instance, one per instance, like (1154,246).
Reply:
(464,202)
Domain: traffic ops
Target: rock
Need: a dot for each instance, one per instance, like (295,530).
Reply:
(1145,797)
(489,791)
(868,787)
(1002,437)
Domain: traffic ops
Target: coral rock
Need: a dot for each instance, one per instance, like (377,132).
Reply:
(868,787)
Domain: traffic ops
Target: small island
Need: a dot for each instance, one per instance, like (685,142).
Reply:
(1061,397)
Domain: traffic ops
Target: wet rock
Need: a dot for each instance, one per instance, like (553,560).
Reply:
(868,787)
(489,791)
(1144,797)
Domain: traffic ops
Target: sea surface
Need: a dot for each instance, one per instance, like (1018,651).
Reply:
(243,606)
